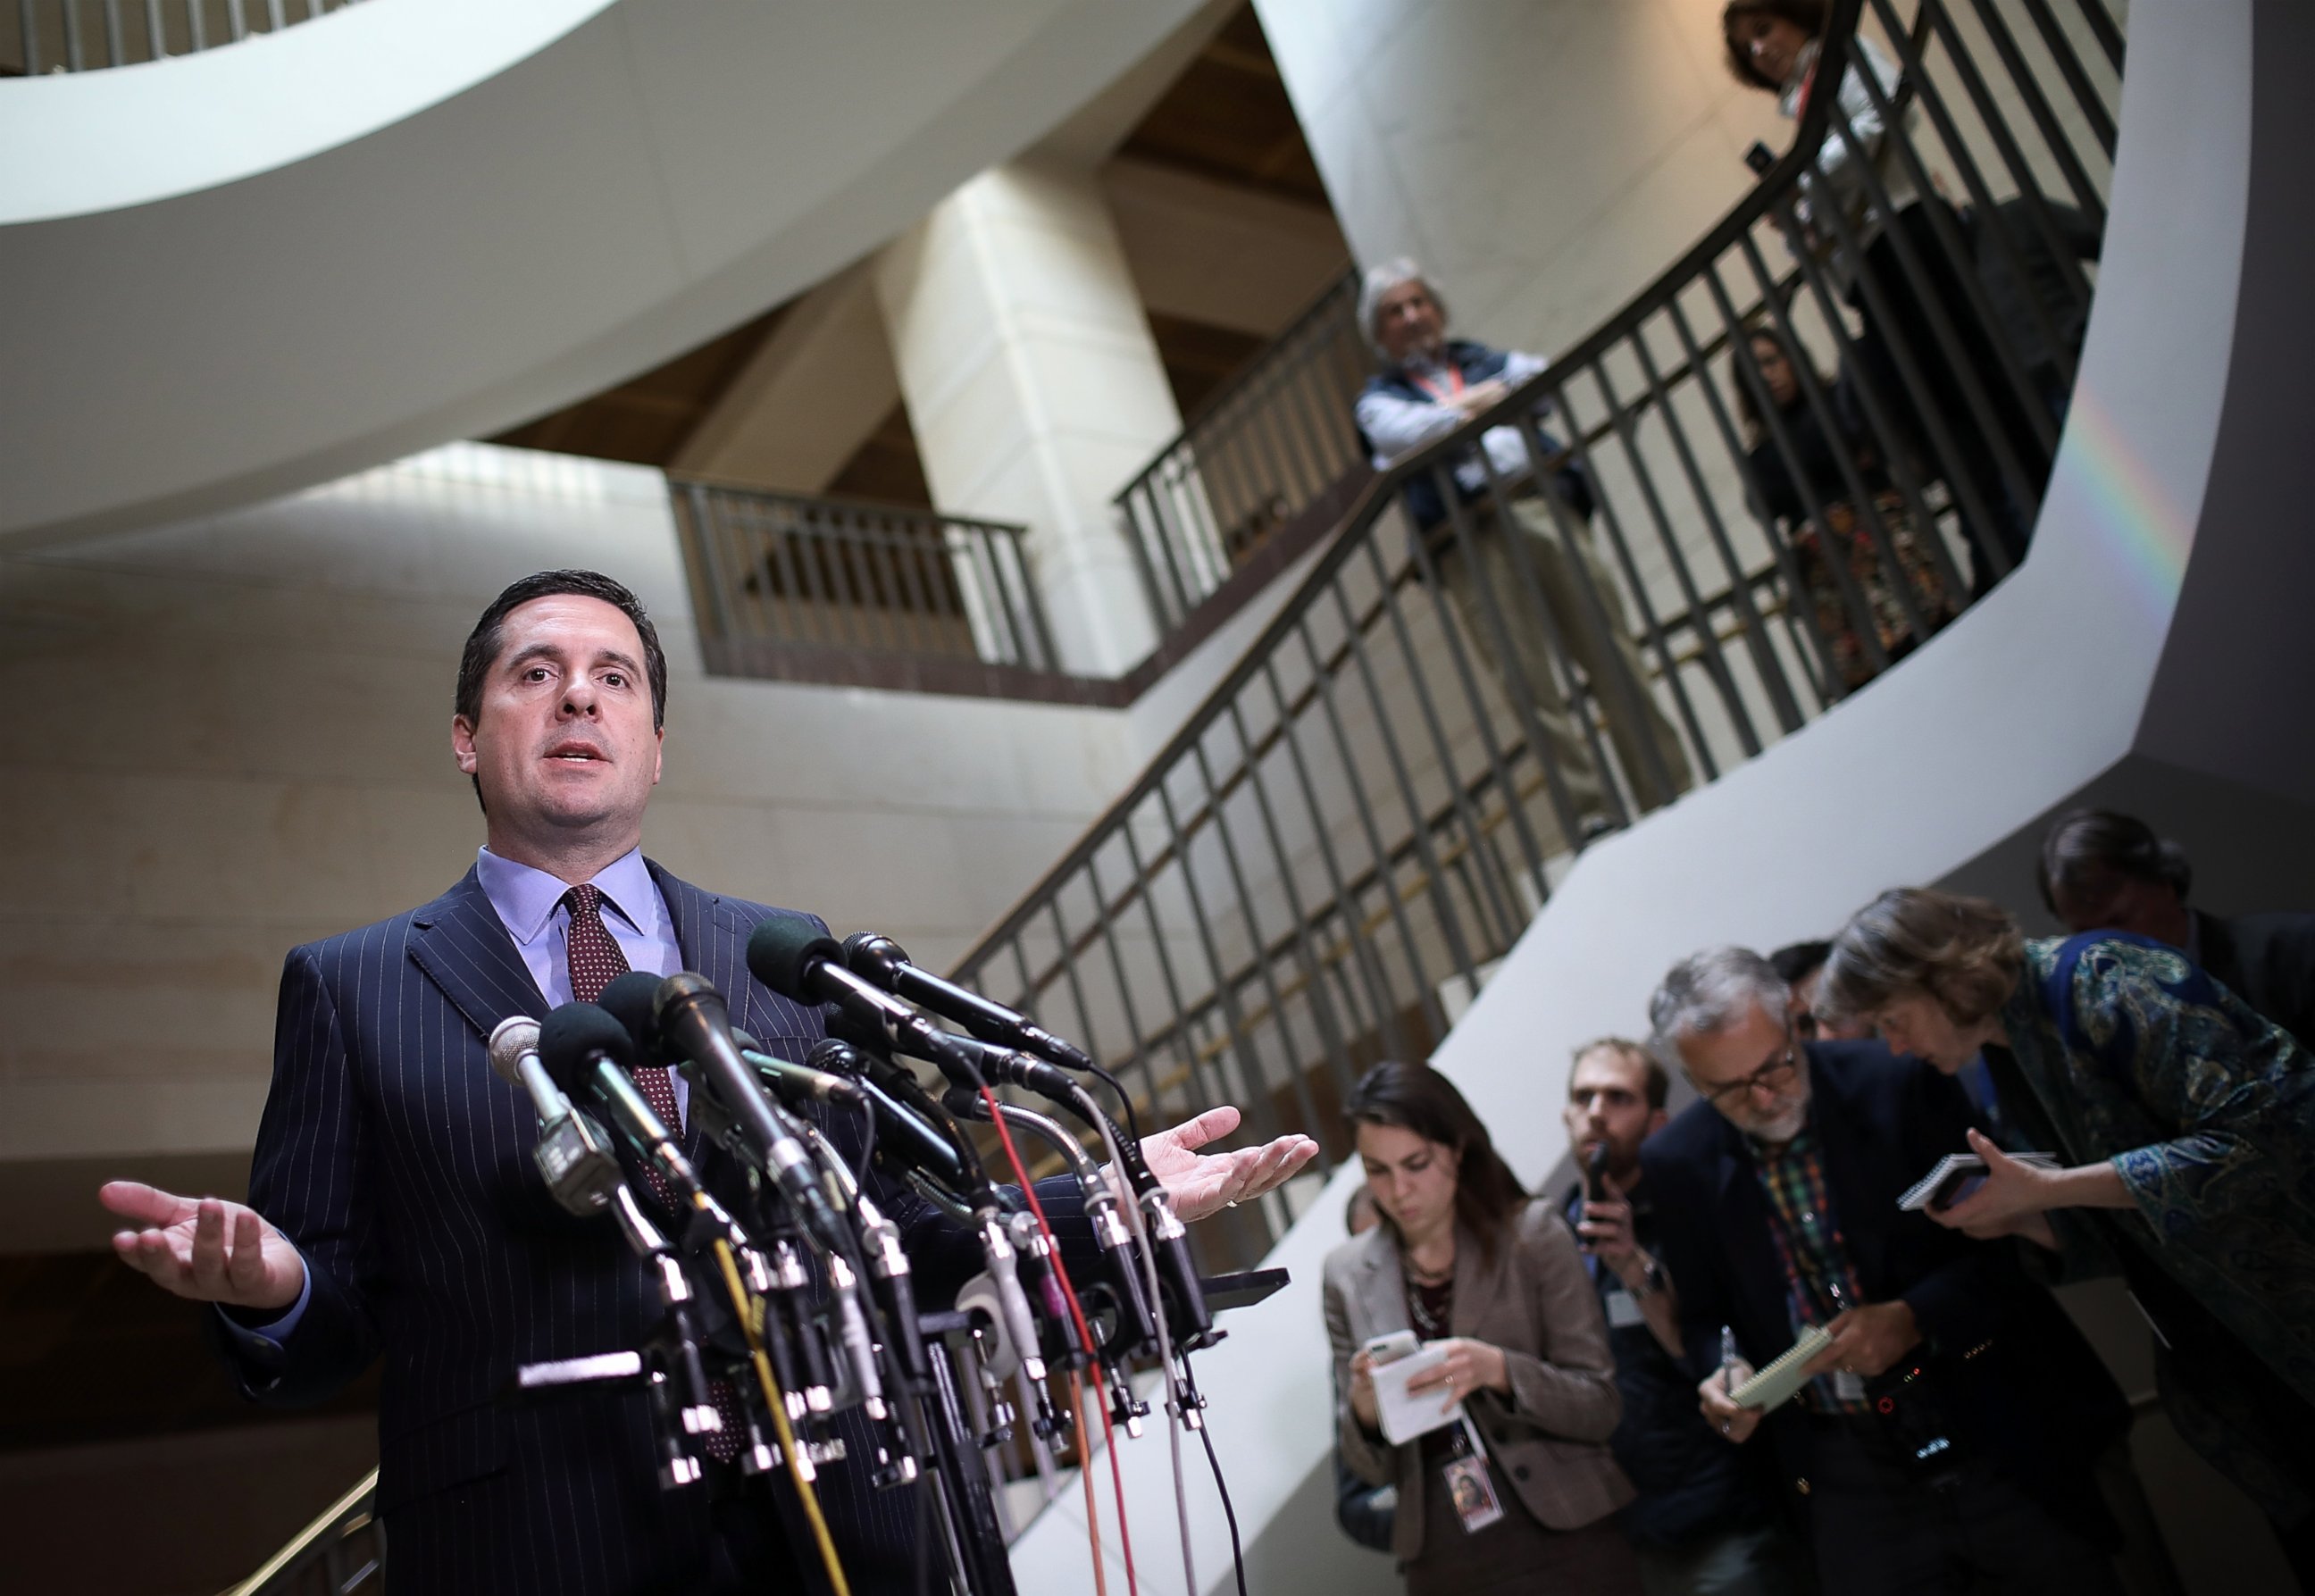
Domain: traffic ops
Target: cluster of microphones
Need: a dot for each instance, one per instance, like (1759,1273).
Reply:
(803,1304)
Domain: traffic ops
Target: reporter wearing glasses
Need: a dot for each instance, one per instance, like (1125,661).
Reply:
(1948,1439)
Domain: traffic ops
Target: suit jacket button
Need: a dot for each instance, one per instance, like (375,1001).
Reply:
(1801,1485)
(1519,1472)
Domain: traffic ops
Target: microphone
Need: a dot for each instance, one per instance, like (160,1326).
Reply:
(632,999)
(695,1024)
(799,1084)
(883,961)
(906,1110)
(791,958)
(579,1164)
(586,1048)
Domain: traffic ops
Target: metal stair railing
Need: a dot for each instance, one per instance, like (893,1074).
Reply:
(1364,814)
(776,574)
(44,36)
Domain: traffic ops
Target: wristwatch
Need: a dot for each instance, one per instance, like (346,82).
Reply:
(1651,1279)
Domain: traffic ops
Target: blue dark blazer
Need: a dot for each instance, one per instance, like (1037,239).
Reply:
(2020,1384)
(400,1165)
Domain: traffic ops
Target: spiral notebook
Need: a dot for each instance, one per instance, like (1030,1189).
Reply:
(1775,1385)
(1966,1172)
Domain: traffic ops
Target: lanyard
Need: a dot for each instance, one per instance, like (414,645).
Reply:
(1453,388)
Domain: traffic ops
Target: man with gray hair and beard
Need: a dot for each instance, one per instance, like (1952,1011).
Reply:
(1429,384)
(1950,1437)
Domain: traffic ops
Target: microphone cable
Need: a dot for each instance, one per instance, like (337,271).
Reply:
(776,1400)
(1085,1478)
(1166,1345)
(1085,1333)
(1214,1462)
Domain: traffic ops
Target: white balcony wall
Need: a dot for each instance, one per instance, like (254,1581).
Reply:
(267,265)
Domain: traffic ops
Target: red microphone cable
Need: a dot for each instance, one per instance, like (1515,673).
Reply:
(1085,1333)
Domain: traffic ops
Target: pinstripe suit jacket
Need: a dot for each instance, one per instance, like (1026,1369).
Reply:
(400,1165)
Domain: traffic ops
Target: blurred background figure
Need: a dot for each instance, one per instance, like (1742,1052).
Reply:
(1812,466)
(1466,1259)
(1929,323)
(2187,1122)
(1705,1522)
(1798,964)
(2103,869)
(1428,386)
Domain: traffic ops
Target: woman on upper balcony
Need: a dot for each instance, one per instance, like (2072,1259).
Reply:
(1773,46)
(1521,1494)
(1797,460)
(2186,1124)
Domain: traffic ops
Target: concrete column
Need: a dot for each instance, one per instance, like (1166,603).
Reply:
(1542,158)
(1034,386)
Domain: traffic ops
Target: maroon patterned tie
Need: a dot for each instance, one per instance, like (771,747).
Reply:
(595,960)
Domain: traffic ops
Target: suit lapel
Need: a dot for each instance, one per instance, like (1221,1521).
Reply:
(708,938)
(1479,1281)
(1380,1291)
(459,942)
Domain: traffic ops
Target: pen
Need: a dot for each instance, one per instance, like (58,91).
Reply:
(1729,1356)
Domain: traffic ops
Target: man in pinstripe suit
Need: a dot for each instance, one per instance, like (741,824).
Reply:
(393,1207)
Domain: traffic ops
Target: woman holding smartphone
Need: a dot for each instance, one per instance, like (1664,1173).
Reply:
(2184,1124)
(1488,1280)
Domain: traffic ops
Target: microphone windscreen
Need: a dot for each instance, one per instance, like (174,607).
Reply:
(570,1037)
(631,1000)
(782,948)
(512,1037)
(836,1057)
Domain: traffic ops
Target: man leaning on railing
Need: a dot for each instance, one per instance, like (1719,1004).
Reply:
(1430,385)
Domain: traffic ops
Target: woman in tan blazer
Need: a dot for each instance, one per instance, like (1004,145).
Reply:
(1465,1257)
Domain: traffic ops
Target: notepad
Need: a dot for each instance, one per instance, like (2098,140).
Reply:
(1776,1384)
(1403,1416)
(1957,1168)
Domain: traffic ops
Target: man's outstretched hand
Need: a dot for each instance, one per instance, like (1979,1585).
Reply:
(207,1249)
(1202,1183)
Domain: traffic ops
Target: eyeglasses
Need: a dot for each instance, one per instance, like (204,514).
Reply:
(1768,1077)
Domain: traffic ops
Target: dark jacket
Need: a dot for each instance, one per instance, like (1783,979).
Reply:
(2267,960)
(400,1165)
(1477,363)
(2017,1383)
(1691,1481)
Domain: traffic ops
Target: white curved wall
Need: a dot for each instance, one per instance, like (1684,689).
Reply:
(656,173)
(97,141)
(2159,618)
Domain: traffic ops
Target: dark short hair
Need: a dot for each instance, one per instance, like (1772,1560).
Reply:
(1807,15)
(1800,960)
(2084,846)
(1418,1098)
(1655,1083)
(484,643)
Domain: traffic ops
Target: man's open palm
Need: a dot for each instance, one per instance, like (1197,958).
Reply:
(1201,1183)
(207,1249)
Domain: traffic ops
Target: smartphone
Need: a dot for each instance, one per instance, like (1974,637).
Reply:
(1759,157)
(1391,1348)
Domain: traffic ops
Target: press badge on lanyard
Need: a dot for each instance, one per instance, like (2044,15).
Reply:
(1468,1485)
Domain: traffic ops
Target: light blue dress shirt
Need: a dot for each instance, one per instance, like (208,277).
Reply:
(530,904)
